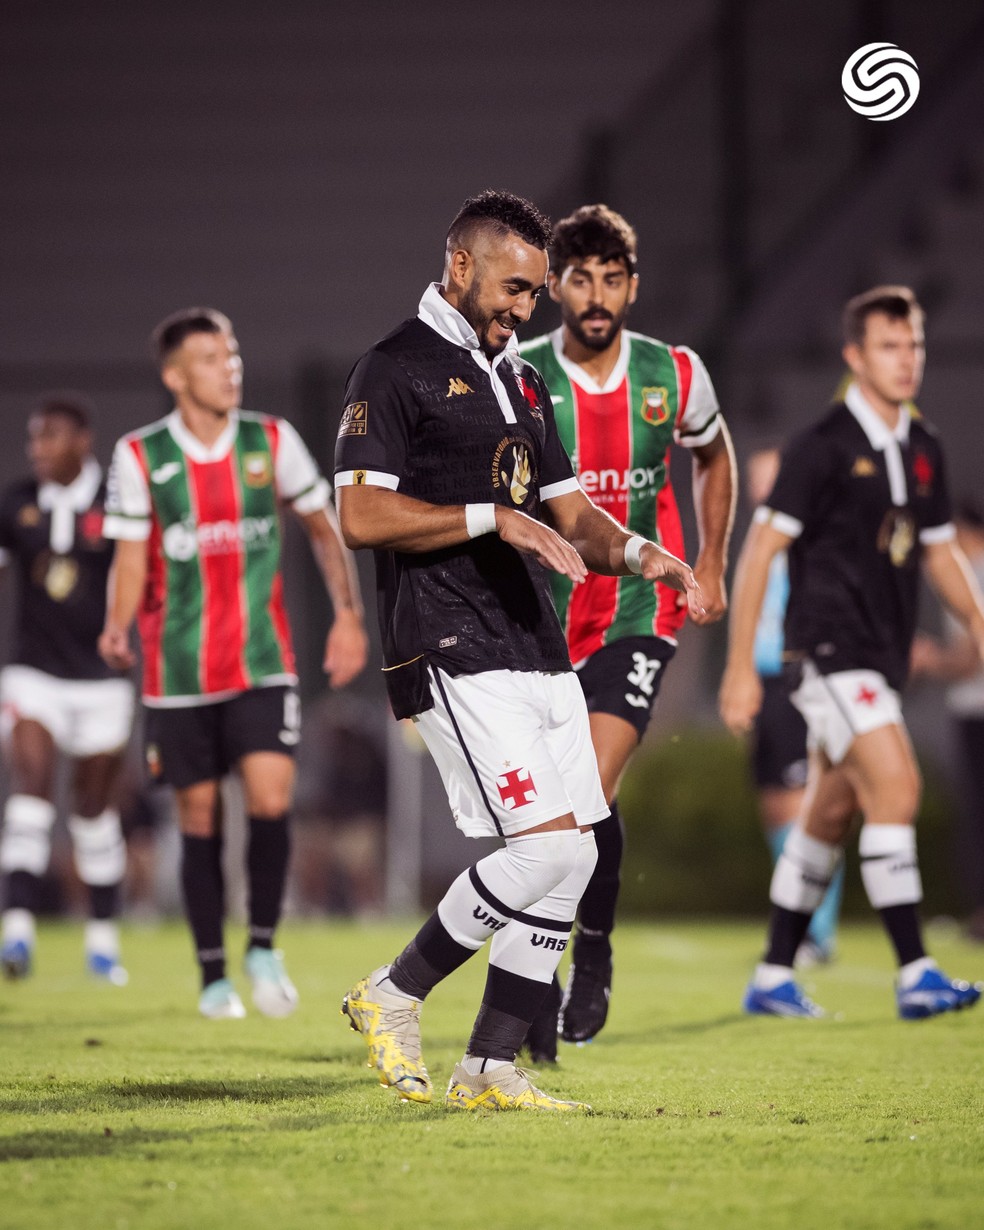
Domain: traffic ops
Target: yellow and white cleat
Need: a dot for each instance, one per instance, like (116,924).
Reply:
(390,1025)
(504,1088)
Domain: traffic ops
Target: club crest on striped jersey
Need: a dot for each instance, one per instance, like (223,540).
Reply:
(257,469)
(511,468)
(355,418)
(655,405)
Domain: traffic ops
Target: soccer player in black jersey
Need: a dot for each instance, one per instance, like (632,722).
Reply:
(860,503)
(57,694)
(449,466)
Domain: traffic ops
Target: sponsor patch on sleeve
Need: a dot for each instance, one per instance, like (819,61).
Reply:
(354,419)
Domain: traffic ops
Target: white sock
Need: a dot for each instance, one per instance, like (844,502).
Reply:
(768,977)
(18,925)
(476,1065)
(910,974)
(102,936)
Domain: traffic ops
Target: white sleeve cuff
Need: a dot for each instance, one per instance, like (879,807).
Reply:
(938,533)
(365,478)
(313,498)
(129,529)
(564,487)
(782,522)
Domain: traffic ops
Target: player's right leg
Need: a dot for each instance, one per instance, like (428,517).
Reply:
(25,844)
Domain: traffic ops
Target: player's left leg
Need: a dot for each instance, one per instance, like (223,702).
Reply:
(100,859)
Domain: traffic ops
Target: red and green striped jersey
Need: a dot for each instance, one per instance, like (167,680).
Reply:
(212,619)
(618,436)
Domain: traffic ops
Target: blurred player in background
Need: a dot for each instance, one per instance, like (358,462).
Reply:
(195,503)
(620,399)
(860,503)
(57,694)
(779,754)
(449,465)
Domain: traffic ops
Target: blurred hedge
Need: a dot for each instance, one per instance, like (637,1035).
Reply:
(695,844)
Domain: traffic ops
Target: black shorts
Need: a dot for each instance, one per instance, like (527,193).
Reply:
(202,743)
(779,743)
(623,678)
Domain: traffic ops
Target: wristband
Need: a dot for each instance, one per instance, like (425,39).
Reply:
(633,549)
(479,519)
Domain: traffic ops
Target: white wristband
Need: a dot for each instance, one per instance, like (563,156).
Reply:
(633,549)
(479,519)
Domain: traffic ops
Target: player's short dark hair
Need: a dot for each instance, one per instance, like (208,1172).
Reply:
(593,230)
(499,213)
(67,404)
(168,336)
(895,302)
(968,512)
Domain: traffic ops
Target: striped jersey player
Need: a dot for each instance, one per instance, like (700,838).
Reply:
(620,400)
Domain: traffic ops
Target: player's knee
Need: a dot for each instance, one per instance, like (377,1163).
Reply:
(544,859)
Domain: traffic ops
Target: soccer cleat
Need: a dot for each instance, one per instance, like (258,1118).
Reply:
(15,958)
(589,986)
(390,1025)
(504,1088)
(220,1002)
(273,992)
(933,994)
(106,968)
(541,1037)
(786,999)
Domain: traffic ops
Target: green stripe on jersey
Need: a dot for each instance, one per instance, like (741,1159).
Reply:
(258,491)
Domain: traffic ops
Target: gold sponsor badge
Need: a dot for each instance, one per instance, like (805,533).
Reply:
(354,419)
(359,478)
(511,468)
(61,577)
(897,536)
(863,467)
(29,516)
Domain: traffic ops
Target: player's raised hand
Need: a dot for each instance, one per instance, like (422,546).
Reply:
(660,565)
(114,648)
(739,699)
(714,594)
(346,649)
(526,534)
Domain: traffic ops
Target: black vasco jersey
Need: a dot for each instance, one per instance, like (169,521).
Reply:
(62,563)
(423,417)
(860,505)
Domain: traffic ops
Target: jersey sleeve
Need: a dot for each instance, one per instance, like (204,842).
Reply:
(299,481)
(128,506)
(801,486)
(557,475)
(937,519)
(377,424)
(699,415)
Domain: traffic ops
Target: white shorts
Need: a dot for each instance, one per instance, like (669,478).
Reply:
(513,749)
(85,717)
(839,707)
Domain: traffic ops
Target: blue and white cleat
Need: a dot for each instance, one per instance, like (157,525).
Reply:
(106,968)
(15,959)
(219,1002)
(934,994)
(786,999)
(273,992)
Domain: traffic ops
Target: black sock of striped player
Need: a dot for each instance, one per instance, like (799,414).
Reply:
(22,891)
(204,898)
(596,914)
(269,851)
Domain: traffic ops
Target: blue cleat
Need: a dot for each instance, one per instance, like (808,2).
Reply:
(219,1002)
(786,999)
(106,969)
(933,994)
(15,959)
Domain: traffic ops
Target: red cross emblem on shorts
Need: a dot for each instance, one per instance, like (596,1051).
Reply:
(516,788)
(865,696)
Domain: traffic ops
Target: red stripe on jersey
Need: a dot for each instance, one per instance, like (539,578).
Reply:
(685,375)
(272,429)
(604,449)
(153,602)
(669,617)
(216,497)
(281,628)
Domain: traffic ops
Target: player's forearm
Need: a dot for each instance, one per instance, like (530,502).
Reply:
(748,593)
(390,521)
(951,577)
(714,495)
(127,578)
(335,562)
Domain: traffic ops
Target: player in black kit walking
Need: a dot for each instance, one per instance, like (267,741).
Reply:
(57,694)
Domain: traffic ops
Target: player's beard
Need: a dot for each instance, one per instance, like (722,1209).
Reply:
(480,320)
(595,341)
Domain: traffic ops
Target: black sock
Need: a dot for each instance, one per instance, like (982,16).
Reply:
(204,898)
(508,1007)
(104,900)
(902,924)
(22,891)
(269,850)
(430,956)
(787,930)
(597,910)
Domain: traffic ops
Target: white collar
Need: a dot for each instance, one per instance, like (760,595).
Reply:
(873,425)
(583,378)
(195,448)
(78,494)
(435,311)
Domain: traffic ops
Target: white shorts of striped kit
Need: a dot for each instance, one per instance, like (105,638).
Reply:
(85,717)
(513,749)
(839,707)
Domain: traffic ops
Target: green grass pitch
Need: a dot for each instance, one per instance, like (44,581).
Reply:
(123,1110)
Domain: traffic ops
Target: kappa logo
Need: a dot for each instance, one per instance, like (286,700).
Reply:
(355,418)
(166,472)
(863,467)
(457,387)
